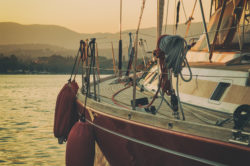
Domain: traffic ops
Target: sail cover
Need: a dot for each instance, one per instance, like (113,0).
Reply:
(227,29)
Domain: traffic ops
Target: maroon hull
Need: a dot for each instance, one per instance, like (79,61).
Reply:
(183,149)
(126,142)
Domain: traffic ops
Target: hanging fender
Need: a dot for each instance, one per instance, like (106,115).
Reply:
(80,149)
(65,112)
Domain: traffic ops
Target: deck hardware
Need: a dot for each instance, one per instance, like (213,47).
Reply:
(241,117)
(170,125)
(151,109)
(140,101)
(240,137)
(129,116)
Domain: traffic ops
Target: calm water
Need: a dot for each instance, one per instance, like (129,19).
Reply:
(27,105)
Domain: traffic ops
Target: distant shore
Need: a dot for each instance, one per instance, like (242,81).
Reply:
(46,74)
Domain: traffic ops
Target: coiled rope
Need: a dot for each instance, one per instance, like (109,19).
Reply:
(172,50)
(175,50)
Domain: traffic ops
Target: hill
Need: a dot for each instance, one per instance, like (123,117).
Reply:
(14,33)
(45,40)
(30,51)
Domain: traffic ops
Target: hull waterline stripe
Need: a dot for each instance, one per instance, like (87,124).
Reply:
(158,147)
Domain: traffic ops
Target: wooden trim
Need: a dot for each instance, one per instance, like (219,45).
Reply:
(160,122)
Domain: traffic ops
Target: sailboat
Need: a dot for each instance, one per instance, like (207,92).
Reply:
(195,111)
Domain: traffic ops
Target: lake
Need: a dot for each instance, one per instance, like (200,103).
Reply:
(27,104)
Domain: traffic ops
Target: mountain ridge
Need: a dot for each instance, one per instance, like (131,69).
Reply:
(16,33)
(23,40)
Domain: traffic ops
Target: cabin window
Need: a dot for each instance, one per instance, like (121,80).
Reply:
(219,91)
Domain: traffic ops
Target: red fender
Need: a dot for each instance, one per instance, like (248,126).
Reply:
(80,149)
(65,112)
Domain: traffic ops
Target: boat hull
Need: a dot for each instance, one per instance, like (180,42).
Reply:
(126,142)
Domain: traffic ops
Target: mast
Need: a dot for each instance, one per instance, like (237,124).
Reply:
(160,10)
(120,43)
(166,16)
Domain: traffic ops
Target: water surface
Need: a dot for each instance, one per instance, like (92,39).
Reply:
(27,105)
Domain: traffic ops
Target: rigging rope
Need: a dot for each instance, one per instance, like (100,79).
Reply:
(184,9)
(135,56)
(91,64)
(175,49)
(190,19)
(73,69)
(193,75)
(172,54)
(116,93)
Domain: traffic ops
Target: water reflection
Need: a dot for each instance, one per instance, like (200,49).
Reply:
(26,120)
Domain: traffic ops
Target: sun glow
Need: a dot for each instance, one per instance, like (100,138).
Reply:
(88,16)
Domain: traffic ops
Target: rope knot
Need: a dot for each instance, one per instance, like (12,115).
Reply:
(158,53)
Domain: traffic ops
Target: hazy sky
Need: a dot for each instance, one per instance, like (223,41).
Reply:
(89,16)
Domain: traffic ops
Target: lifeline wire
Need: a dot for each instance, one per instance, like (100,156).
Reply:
(193,75)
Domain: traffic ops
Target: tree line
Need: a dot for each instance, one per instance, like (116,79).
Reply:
(54,64)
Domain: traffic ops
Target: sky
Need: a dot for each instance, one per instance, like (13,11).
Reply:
(91,16)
